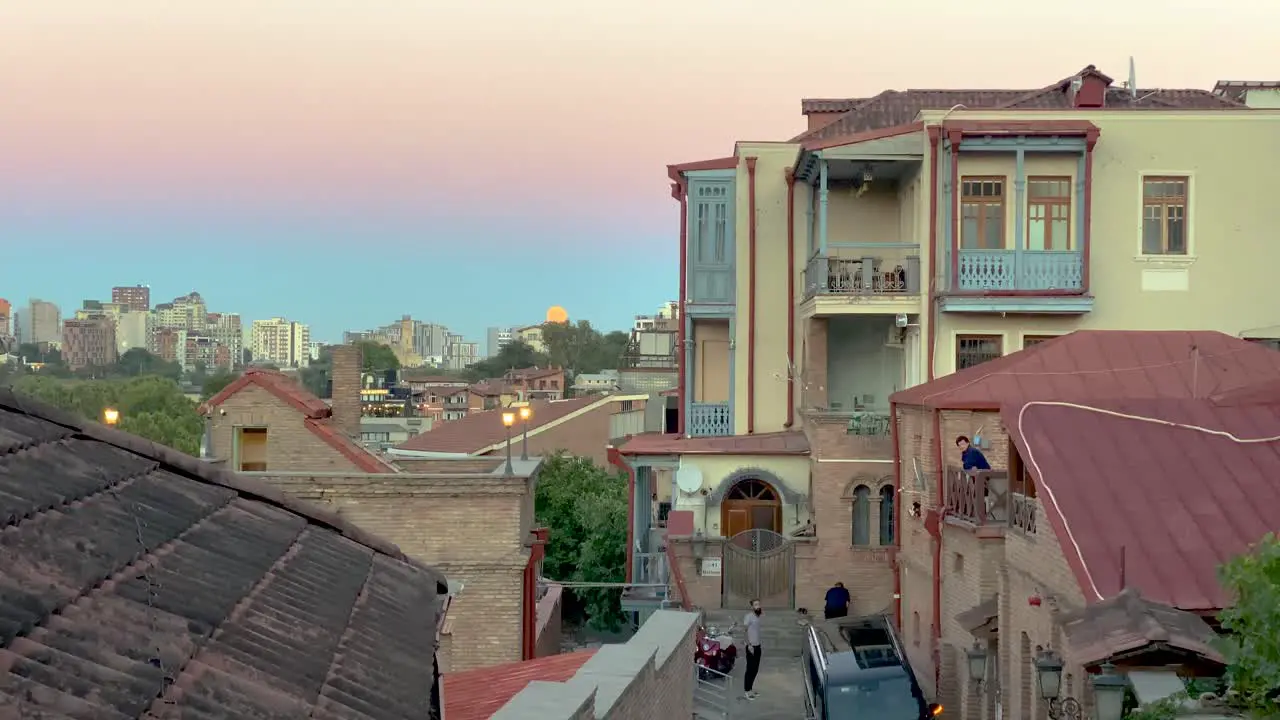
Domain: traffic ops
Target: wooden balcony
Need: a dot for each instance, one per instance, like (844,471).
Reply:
(871,275)
(1019,271)
(709,420)
(983,498)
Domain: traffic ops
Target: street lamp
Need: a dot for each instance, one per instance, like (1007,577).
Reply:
(1109,689)
(977,656)
(526,414)
(509,419)
(1049,681)
(110,416)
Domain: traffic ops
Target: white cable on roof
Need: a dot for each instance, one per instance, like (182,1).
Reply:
(1075,546)
(1055,373)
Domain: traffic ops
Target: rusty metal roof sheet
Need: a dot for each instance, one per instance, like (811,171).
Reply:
(1160,491)
(1105,364)
(1128,623)
(481,428)
(478,694)
(136,580)
(779,443)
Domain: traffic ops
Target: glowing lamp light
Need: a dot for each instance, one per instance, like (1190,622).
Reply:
(110,416)
(508,419)
(526,412)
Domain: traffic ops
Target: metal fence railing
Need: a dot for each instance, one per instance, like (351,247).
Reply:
(713,695)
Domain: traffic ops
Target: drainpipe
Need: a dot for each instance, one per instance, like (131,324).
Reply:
(791,297)
(1090,139)
(897,514)
(751,299)
(680,191)
(935,134)
(616,460)
(937,556)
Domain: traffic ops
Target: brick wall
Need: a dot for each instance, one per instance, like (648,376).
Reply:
(346,373)
(704,591)
(586,435)
(839,463)
(548,624)
(291,446)
(650,676)
(473,528)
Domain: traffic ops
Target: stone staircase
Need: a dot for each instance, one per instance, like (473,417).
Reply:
(782,632)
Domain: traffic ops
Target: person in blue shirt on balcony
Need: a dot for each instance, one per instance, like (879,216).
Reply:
(971,457)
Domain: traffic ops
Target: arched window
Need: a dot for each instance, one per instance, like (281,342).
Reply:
(886,515)
(862,515)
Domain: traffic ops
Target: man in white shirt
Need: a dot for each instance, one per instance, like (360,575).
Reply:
(752,623)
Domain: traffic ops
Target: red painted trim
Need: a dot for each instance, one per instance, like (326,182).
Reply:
(935,134)
(680,190)
(751,299)
(529,613)
(937,558)
(897,513)
(277,384)
(1091,139)
(955,137)
(678,575)
(615,459)
(1032,128)
(675,172)
(864,136)
(791,296)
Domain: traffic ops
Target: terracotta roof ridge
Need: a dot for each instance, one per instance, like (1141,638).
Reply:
(205,472)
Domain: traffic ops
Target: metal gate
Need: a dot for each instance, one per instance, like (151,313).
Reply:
(759,564)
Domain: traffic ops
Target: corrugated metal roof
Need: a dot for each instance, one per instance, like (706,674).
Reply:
(1175,487)
(482,428)
(1105,364)
(479,694)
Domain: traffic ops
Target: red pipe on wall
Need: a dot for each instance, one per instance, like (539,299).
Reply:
(751,299)
(615,459)
(791,296)
(1090,139)
(897,514)
(935,134)
(680,191)
(937,558)
(955,136)
(529,620)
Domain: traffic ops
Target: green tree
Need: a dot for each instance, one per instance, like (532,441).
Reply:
(137,361)
(513,355)
(315,377)
(151,406)
(213,384)
(580,348)
(1253,623)
(584,507)
(378,357)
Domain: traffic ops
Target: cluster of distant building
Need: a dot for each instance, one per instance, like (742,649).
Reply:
(182,330)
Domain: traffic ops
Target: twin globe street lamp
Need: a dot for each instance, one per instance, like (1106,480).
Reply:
(1109,687)
(525,413)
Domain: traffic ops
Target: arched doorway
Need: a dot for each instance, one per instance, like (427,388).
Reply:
(751,504)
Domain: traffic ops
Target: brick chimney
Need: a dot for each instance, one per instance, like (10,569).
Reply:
(344,374)
(1088,89)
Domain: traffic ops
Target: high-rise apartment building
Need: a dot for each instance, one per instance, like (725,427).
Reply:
(136,297)
(227,330)
(88,343)
(6,313)
(134,329)
(458,353)
(497,338)
(281,342)
(188,312)
(41,322)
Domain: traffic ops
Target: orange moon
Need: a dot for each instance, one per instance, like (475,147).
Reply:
(557,314)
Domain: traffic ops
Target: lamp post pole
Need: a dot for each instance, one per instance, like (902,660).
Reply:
(526,414)
(509,419)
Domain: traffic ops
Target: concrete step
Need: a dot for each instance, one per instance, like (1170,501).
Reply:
(782,634)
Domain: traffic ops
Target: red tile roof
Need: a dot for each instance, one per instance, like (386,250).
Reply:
(1104,364)
(315,412)
(479,430)
(479,694)
(780,443)
(1176,491)
(894,107)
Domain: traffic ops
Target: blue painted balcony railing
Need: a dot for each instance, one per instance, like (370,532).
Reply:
(709,420)
(1029,270)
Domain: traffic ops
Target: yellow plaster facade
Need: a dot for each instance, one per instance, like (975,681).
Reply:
(791,471)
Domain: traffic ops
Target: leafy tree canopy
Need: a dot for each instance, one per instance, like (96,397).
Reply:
(515,354)
(1253,644)
(213,384)
(151,406)
(137,361)
(378,357)
(584,507)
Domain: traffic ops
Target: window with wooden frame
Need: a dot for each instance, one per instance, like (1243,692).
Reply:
(1029,340)
(1049,213)
(982,213)
(1164,215)
(1022,482)
(251,449)
(976,349)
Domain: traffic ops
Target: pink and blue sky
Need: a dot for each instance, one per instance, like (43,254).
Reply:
(343,162)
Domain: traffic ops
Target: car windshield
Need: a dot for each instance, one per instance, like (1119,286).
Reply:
(887,699)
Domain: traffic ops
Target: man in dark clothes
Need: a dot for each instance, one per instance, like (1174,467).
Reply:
(970,456)
(837,604)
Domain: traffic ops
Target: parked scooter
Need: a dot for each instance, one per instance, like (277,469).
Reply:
(714,652)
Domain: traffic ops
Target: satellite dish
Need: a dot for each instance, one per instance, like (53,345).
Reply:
(689,479)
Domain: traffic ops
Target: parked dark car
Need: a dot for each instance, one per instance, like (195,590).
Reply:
(855,669)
